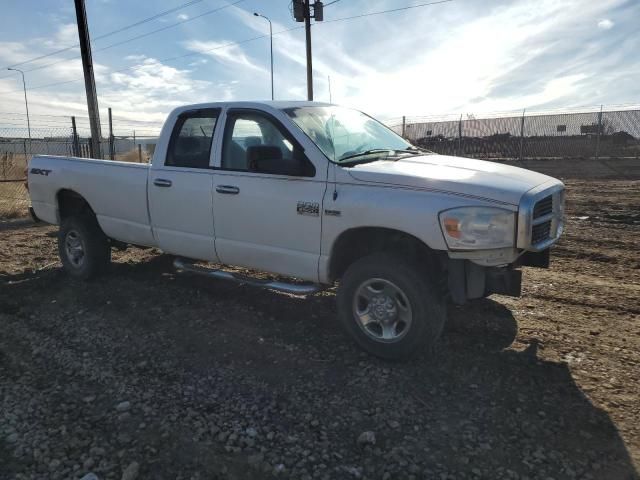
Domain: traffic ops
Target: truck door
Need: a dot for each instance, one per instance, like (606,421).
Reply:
(180,188)
(267,198)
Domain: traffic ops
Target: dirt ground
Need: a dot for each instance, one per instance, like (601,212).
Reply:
(146,373)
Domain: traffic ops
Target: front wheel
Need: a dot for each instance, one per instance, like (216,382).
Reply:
(390,307)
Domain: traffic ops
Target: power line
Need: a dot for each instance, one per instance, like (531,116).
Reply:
(240,42)
(162,60)
(166,27)
(370,14)
(122,42)
(108,34)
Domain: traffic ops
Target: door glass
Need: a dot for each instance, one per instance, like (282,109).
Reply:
(190,144)
(246,130)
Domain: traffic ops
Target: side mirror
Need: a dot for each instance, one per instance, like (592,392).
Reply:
(268,159)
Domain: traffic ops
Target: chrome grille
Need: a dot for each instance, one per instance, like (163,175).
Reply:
(540,217)
(543,207)
(540,232)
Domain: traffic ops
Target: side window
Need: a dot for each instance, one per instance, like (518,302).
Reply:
(254,143)
(190,144)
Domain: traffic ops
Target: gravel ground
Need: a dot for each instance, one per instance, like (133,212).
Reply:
(149,374)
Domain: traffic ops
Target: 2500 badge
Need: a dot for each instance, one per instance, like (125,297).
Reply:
(308,208)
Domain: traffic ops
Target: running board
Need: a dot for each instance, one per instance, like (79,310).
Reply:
(294,288)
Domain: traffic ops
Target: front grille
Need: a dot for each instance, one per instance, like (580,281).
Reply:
(540,232)
(540,217)
(543,207)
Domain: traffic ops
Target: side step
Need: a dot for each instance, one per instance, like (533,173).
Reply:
(294,288)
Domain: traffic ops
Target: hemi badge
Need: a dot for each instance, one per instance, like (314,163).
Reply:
(333,213)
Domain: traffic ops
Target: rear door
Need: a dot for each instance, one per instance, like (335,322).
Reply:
(267,221)
(179,190)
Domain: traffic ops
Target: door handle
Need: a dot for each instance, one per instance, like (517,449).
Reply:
(229,189)
(161,182)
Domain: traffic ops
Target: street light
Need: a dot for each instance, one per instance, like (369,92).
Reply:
(271,39)
(26,104)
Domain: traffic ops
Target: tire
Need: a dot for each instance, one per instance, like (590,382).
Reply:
(83,248)
(400,306)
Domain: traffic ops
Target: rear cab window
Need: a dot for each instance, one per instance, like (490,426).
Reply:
(191,139)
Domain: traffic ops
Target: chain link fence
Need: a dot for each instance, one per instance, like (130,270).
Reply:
(588,135)
(67,136)
(581,135)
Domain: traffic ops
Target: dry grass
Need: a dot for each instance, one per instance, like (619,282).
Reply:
(14,199)
(133,157)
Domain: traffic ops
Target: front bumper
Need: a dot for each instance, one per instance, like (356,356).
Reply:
(468,280)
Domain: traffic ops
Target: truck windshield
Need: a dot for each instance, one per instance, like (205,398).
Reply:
(344,134)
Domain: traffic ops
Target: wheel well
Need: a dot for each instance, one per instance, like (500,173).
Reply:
(71,203)
(356,243)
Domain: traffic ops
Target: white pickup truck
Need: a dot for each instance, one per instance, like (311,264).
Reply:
(312,194)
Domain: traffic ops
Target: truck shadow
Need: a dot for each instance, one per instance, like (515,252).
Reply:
(474,398)
(477,403)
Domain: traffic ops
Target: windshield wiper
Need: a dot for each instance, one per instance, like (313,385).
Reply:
(365,153)
(391,152)
(415,150)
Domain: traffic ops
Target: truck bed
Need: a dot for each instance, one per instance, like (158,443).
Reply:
(117,191)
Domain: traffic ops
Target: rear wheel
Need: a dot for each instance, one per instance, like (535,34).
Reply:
(83,248)
(390,307)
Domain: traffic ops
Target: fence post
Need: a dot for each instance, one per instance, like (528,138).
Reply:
(459,135)
(522,133)
(598,135)
(76,144)
(404,126)
(112,153)
(139,153)
(26,160)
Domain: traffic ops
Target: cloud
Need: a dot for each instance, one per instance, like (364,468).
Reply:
(222,51)
(152,78)
(494,56)
(65,36)
(605,24)
(461,57)
(182,16)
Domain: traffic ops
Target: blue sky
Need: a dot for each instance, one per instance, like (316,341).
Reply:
(459,57)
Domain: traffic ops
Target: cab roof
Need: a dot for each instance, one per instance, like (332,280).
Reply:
(277,104)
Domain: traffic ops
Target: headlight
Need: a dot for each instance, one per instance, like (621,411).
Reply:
(471,228)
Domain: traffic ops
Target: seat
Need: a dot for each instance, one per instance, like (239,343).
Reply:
(234,156)
(191,152)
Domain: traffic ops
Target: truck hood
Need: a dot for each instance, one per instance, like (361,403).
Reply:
(456,175)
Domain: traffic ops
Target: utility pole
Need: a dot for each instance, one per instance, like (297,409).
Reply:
(112,150)
(89,80)
(302,13)
(307,31)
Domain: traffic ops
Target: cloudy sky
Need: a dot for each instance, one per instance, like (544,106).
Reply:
(462,56)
